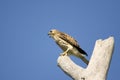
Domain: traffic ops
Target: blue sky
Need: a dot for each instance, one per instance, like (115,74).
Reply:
(26,51)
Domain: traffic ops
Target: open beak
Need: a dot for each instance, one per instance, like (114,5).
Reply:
(49,35)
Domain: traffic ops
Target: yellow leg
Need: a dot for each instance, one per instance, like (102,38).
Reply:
(65,53)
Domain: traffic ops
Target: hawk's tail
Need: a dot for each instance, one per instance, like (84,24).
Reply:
(82,58)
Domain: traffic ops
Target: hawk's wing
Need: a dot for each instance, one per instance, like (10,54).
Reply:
(68,39)
(71,41)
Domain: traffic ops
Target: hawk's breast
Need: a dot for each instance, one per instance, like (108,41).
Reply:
(63,44)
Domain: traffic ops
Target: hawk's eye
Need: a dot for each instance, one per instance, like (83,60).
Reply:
(51,31)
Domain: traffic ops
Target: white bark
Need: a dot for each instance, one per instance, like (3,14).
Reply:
(98,65)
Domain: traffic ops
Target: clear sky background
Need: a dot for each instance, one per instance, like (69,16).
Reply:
(26,51)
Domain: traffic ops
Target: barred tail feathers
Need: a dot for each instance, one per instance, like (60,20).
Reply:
(82,57)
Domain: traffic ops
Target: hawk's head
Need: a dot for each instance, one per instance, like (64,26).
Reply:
(53,32)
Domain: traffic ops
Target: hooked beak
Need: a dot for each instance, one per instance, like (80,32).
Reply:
(49,35)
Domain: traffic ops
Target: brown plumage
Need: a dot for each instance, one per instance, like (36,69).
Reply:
(68,44)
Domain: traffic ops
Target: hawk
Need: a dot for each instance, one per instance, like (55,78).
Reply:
(68,44)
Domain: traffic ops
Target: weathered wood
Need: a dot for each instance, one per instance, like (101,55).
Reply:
(98,66)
